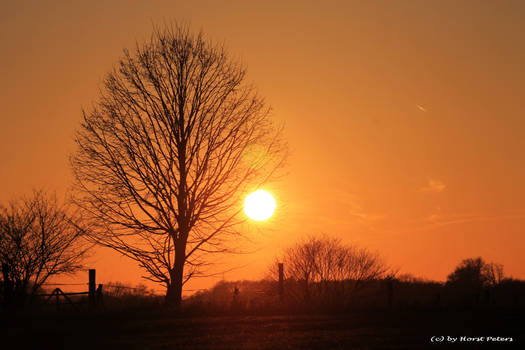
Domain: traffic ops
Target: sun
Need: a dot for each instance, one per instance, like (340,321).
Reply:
(259,205)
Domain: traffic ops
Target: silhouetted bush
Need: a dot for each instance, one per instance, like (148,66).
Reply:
(119,296)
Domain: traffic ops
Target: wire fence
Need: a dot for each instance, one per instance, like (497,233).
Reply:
(111,285)
(65,284)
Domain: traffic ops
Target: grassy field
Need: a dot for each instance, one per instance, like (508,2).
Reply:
(361,330)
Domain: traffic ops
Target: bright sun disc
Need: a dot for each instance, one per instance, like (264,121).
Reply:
(259,205)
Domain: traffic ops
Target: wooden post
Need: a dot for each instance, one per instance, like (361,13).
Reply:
(57,297)
(281,280)
(92,287)
(99,300)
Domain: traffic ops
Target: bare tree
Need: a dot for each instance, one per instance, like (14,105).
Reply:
(493,273)
(325,261)
(300,263)
(165,155)
(39,238)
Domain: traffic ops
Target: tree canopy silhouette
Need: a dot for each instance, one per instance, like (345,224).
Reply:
(324,260)
(165,155)
(475,273)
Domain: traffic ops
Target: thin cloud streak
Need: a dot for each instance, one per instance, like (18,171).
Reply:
(433,186)
(435,221)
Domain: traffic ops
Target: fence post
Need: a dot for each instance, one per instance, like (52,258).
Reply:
(92,287)
(57,297)
(99,299)
(281,281)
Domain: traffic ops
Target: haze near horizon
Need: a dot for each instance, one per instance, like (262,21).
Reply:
(404,119)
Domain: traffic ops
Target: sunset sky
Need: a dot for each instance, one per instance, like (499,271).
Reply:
(405,119)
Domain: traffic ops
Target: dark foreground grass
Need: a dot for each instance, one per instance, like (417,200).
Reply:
(359,330)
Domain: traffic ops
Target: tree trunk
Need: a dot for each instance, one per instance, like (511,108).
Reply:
(8,287)
(174,292)
(306,289)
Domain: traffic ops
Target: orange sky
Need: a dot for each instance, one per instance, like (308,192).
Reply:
(405,119)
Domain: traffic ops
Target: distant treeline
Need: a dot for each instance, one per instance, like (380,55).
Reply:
(263,297)
(318,274)
(324,275)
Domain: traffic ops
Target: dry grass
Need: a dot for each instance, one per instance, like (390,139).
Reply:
(363,330)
